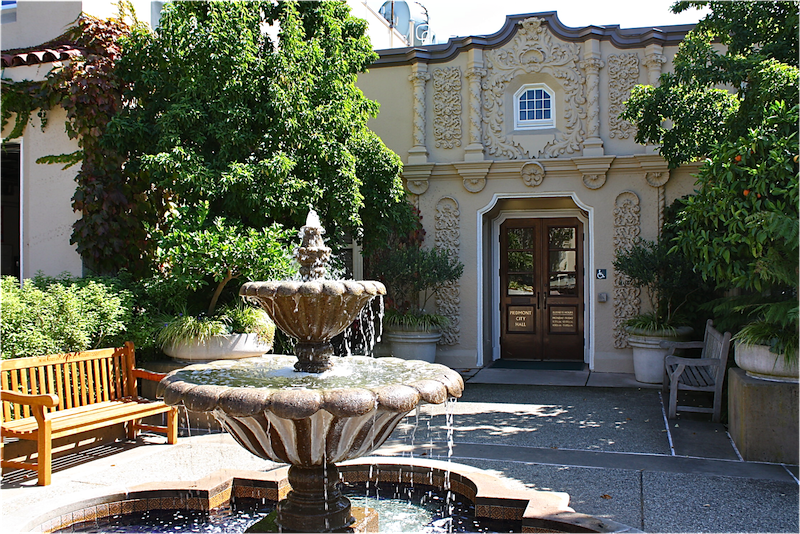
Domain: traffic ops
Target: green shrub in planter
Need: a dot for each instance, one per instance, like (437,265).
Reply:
(412,276)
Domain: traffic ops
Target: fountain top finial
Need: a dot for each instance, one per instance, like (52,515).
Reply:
(312,254)
(312,219)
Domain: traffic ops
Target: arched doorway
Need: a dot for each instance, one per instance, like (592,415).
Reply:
(534,300)
(541,288)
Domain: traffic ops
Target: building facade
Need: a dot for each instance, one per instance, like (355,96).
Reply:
(514,151)
(518,159)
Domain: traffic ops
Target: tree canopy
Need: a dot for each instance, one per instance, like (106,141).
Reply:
(732,103)
(239,117)
(260,124)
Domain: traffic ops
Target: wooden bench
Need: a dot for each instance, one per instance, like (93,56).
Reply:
(705,373)
(49,397)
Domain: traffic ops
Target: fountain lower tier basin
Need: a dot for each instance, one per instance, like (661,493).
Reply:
(526,510)
(310,419)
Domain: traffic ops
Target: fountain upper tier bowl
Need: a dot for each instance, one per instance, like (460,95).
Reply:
(310,419)
(314,310)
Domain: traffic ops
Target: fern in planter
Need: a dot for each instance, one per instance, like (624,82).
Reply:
(421,322)
(234,319)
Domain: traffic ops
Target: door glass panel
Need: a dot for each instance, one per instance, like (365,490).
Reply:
(563,284)
(562,238)
(520,284)
(520,261)
(562,260)
(520,238)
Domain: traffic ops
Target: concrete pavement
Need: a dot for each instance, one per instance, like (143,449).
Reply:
(610,448)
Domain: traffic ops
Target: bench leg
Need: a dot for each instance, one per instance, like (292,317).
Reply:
(132,429)
(717,414)
(44,462)
(172,426)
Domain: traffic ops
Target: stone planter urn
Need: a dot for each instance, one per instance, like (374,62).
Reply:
(230,347)
(758,362)
(648,355)
(413,344)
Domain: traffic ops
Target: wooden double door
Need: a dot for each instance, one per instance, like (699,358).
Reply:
(541,289)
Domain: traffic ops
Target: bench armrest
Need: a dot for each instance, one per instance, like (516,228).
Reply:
(681,344)
(48,400)
(690,362)
(144,374)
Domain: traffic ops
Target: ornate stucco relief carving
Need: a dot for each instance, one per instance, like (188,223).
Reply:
(594,180)
(473,174)
(654,63)
(447,238)
(532,173)
(592,67)
(474,76)
(419,77)
(627,299)
(659,180)
(447,107)
(533,50)
(417,176)
(623,74)
(593,170)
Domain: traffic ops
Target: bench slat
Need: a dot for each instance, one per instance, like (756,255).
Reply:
(85,418)
(37,361)
(23,386)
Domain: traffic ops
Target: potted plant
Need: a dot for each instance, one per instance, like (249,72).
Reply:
(195,256)
(668,280)
(238,331)
(412,276)
(767,345)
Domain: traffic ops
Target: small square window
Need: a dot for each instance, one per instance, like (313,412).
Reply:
(534,108)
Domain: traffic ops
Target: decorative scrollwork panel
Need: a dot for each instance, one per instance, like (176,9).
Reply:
(448,237)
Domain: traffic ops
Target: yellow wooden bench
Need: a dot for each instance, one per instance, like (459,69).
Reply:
(49,397)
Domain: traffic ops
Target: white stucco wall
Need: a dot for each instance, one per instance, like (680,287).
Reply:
(46,213)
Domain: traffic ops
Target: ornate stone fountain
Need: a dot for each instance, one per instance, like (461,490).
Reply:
(311,410)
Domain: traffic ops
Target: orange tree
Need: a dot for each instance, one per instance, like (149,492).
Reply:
(740,228)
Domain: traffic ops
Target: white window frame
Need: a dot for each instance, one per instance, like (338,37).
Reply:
(534,124)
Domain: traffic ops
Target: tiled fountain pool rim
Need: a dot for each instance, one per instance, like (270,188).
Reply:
(536,510)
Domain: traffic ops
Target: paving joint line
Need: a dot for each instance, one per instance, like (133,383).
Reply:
(654,462)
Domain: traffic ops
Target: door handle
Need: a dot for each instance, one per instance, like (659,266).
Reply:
(545,299)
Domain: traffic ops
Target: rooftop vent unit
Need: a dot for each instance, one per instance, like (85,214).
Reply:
(410,19)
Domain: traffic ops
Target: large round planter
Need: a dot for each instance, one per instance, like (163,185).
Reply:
(230,347)
(758,362)
(413,345)
(648,356)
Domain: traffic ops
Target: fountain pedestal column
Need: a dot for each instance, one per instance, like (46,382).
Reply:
(315,503)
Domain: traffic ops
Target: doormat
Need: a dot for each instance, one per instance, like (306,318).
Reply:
(538,366)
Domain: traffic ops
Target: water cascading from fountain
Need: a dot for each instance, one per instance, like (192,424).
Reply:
(312,410)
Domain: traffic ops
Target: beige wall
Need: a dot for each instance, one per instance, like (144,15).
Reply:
(449,115)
